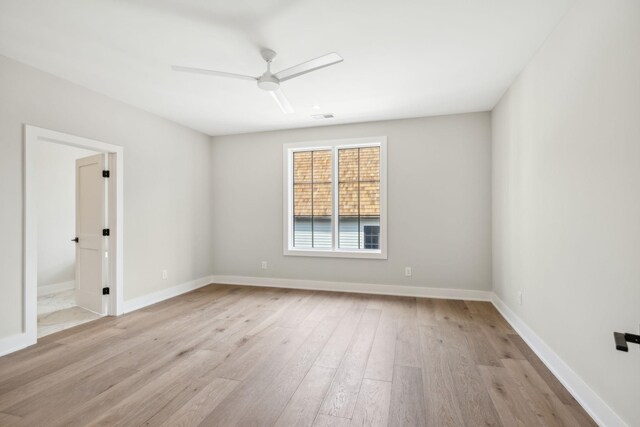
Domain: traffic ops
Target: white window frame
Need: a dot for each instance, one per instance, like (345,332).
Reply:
(334,145)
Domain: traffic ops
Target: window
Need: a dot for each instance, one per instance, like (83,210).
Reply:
(335,198)
(372,237)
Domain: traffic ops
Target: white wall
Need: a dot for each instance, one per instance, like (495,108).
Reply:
(166,187)
(56,195)
(566,186)
(439,217)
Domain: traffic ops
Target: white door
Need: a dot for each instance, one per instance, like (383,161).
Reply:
(90,221)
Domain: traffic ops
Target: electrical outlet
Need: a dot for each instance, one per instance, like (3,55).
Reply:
(520,297)
(407,271)
(264,265)
(164,274)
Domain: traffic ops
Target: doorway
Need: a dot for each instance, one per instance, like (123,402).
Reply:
(73,231)
(61,300)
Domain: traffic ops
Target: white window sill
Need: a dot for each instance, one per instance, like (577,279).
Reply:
(364,254)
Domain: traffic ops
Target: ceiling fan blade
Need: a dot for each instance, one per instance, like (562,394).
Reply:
(282,101)
(212,72)
(309,66)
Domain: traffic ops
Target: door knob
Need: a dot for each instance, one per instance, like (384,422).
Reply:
(75,240)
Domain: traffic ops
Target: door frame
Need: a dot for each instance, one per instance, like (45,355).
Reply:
(33,137)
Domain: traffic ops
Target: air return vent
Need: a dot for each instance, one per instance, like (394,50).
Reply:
(322,116)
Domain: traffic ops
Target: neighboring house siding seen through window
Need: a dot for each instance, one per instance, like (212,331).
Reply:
(336,198)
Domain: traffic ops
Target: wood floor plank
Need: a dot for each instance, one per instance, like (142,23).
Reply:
(303,407)
(471,395)
(182,311)
(279,303)
(407,343)
(185,394)
(232,333)
(376,302)
(34,358)
(544,402)
(459,311)
(402,307)
(276,396)
(383,350)
(7,363)
(49,362)
(342,395)
(205,401)
(9,420)
(330,302)
(511,405)
(426,312)
(77,332)
(335,349)
(300,310)
(240,355)
(243,397)
(158,356)
(500,341)
(440,401)
(145,402)
(372,407)
(483,352)
(96,408)
(581,415)
(54,378)
(552,382)
(492,318)
(323,420)
(75,391)
(480,307)
(407,406)
(239,365)
(442,310)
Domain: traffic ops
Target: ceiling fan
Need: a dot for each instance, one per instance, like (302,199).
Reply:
(269,81)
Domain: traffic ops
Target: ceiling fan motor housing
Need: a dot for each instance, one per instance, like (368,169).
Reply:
(268,82)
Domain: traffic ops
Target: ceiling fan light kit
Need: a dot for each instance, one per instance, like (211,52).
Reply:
(271,82)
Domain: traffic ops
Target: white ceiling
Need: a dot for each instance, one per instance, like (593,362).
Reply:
(402,58)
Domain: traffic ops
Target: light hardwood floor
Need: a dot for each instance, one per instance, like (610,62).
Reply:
(224,356)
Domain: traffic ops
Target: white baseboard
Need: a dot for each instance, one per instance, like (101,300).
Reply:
(588,399)
(363,288)
(56,287)
(15,343)
(145,300)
